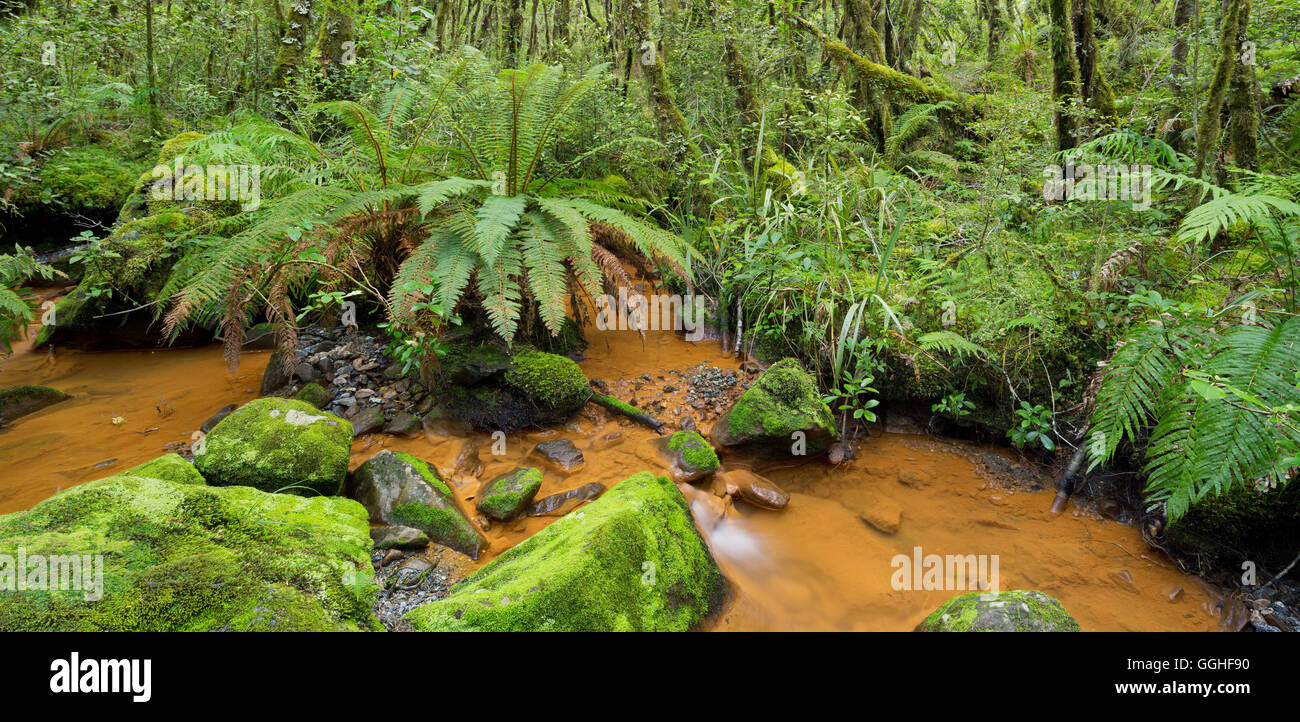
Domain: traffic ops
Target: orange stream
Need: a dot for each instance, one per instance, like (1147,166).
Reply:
(812,566)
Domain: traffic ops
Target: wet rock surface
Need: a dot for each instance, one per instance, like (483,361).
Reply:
(562,503)
(560,454)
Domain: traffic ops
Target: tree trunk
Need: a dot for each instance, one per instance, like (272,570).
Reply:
(513,33)
(1243,102)
(668,118)
(292,42)
(1065,74)
(151,71)
(331,47)
(1093,88)
(1229,49)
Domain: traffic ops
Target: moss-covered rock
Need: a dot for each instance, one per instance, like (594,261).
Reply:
(692,457)
(631,560)
(554,383)
(187,557)
(400,489)
(168,467)
(314,394)
(782,401)
(1011,611)
(509,495)
(89,178)
(16,401)
(278,445)
(1243,524)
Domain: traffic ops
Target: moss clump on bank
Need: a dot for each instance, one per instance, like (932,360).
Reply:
(186,557)
(552,382)
(88,178)
(782,401)
(1242,524)
(314,394)
(16,401)
(631,560)
(278,445)
(1010,611)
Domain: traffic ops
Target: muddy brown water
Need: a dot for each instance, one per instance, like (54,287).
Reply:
(815,565)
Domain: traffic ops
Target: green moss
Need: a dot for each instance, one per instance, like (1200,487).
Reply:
(782,401)
(168,467)
(506,496)
(1010,611)
(278,444)
(88,178)
(552,382)
(313,394)
(186,557)
(694,451)
(631,560)
(401,489)
(16,401)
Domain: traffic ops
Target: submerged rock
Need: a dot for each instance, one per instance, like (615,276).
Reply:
(278,444)
(16,401)
(783,400)
(754,489)
(630,561)
(563,502)
(398,488)
(403,423)
(560,453)
(692,457)
(1010,611)
(187,557)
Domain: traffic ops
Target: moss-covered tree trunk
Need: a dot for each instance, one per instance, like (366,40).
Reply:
(1093,88)
(512,33)
(865,24)
(335,46)
(1065,73)
(1184,12)
(1208,133)
(293,42)
(742,82)
(1243,103)
(994,16)
(653,66)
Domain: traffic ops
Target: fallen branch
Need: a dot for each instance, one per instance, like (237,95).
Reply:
(627,410)
(886,77)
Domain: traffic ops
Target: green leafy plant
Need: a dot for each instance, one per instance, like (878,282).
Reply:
(1034,429)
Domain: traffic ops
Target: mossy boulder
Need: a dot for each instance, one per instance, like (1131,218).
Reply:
(692,457)
(630,561)
(126,270)
(86,179)
(188,557)
(16,401)
(168,467)
(1244,524)
(509,495)
(554,383)
(487,388)
(400,489)
(314,394)
(783,400)
(1010,611)
(278,444)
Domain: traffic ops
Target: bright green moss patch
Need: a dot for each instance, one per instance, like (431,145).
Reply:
(186,557)
(782,401)
(278,444)
(313,394)
(168,467)
(1011,611)
(506,496)
(88,178)
(552,382)
(693,453)
(630,560)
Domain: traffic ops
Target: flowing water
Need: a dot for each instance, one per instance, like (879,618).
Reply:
(816,565)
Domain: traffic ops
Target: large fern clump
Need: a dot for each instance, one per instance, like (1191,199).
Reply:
(1217,407)
(434,197)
